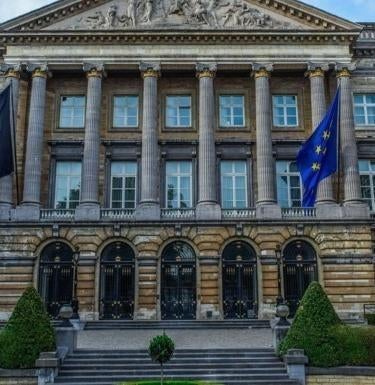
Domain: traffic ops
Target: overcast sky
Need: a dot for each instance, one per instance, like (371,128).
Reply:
(356,10)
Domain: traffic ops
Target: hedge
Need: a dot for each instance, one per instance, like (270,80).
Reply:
(27,333)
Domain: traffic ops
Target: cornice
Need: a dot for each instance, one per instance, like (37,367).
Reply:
(173,37)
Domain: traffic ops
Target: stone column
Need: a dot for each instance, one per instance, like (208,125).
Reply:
(30,207)
(325,201)
(266,203)
(12,74)
(350,179)
(149,208)
(89,208)
(207,207)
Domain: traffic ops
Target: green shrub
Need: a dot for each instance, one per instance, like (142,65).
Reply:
(312,329)
(27,333)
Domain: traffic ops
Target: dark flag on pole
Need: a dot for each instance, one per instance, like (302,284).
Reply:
(6,126)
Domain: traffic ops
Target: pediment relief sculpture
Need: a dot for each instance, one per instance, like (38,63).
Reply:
(204,14)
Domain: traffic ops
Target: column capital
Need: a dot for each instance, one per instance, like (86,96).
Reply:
(150,69)
(38,70)
(206,70)
(93,70)
(11,70)
(316,69)
(344,70)
(262,70)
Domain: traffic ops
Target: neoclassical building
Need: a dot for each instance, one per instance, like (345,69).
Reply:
(155,150)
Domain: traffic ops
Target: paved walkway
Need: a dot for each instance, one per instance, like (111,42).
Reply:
(184,339)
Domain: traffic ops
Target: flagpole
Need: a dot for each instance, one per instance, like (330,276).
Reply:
(339,148)
(13,124)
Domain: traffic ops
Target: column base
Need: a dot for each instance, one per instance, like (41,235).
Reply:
(208,211)
(27,212)
(354,210)
(328,210)
(269,211)
(87,212)
(148,211)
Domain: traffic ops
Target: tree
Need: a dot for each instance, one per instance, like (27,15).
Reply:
(27,333)
(161,350)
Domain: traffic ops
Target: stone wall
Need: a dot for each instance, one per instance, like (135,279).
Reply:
(340,380)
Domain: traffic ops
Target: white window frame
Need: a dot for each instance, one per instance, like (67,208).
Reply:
(364,105)
(179,175)
(69,176)
(288,175)
(284,106)
(125,116)
(371,175)
(231,106)
(234,175)
(72,110)
(123,176)
(178,112)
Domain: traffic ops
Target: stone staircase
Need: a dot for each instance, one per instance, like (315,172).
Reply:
(229,367)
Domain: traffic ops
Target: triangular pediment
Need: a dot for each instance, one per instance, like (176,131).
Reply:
(101,15)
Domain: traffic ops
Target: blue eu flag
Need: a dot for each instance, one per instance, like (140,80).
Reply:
(318,157)
(6,146)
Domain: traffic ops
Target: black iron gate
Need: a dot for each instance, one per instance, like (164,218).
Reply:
(117,268)
(239,281)
(56,272)
(178,282)
(300,269)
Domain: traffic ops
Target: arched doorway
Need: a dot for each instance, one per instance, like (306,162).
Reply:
(117,277)
(239,281)
(300,269)
(56,272)
(178,282)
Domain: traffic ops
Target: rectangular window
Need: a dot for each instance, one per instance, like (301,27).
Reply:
(367,175)
(232,111)
(125,111)
(364,109)
(178,111)
(67,185)
(285,111)
(123,185)
(289,184)
(72,111)
(179,184)
(233,184)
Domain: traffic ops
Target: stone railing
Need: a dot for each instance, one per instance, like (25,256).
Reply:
(249,213)
(177,214)
(117,214)
(298,212)
(56,214)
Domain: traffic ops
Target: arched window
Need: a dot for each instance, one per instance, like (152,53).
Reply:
(117,281)
(56,271)
(178,282)
(239,281)
(300,269)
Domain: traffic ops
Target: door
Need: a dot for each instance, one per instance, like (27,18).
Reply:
(117,270)
(239,281)
(178,282)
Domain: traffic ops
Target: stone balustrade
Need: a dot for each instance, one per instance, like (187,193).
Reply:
(249,213)
(176,214)
(56,215)
(298,212)
(117,214)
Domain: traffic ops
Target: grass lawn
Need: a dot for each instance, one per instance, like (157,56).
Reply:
(166,382)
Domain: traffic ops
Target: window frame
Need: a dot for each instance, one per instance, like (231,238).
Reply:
(365,125)
(165,109)
(371,175)
(112,116)
(289,174)
(123,193)
(244,114)
(285,114)
(178,175)
(60,127)
(233,176)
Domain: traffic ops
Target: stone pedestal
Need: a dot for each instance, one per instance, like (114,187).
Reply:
(208,211)
(279,332)
(296,362)
(148,212)
(269,211)
(87,212)
(47,367)
(27,212)
(66,338)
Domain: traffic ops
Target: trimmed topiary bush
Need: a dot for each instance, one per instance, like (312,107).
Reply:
(312,329)
(27,333)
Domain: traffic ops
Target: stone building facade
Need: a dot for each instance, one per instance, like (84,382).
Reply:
(155,147)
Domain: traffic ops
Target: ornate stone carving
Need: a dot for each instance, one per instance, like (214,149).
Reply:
(206,14)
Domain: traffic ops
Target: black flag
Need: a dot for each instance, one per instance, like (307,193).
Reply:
(6,143)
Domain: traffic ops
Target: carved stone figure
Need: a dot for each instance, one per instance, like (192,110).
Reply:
(111,16)
(131,12)
(178,7)
(148,11)
(96,21)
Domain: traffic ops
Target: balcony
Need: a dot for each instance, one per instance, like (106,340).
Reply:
(249,213)
(62,215)
(117,214)
(298,212)
(177,214)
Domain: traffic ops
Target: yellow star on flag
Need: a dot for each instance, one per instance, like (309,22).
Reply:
(318,149)
(316,166)
(326,135)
